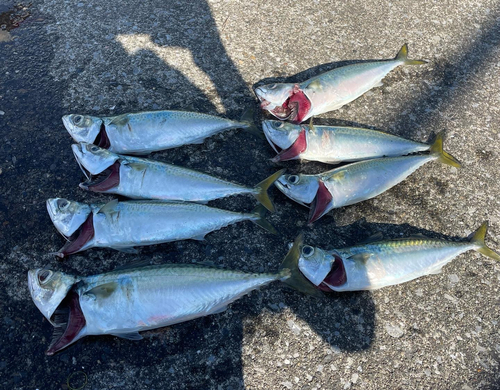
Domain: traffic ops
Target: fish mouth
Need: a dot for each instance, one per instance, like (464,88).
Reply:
(336,277)
(285,188)
(295,150)
(78,153)
(102,139)
(105,180)
(295,108)
(68,320)
(79,238)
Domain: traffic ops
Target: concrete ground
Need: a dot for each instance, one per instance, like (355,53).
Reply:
(105,58)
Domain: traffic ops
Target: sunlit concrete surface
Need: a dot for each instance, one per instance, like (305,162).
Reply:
(113,57)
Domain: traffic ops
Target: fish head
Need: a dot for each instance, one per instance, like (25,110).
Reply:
(48,289)
(83,128)
(281,135)
(300,188)
(274,97)
(324,269)
(93,158)
(314,263)
(66,215)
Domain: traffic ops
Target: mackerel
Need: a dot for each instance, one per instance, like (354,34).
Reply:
(124,225)
(334,144)
(146,132)
(378,264)
(134,299)
(140,178)
(297,102)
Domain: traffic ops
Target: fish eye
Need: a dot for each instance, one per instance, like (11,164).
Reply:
(293,179)
(278,125)
(94,148)
(62,204)
(77,119)
(307,251)
(44,275)
(273,86)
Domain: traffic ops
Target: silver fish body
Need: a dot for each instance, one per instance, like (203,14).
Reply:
(328,91)
(355,182)
(158,296)
(124,225)
(145,132)
(384,263)
(141,178)
(334,144)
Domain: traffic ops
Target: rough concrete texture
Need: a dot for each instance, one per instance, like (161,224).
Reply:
(438,332)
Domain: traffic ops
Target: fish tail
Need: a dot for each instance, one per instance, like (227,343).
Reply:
(261,190)
(403,57)
(436,149)
(290,273)
(478,239)
(259,214)
(248,123)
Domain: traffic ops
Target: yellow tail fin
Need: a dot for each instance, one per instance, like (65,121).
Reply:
(403,56)
(478,239)
(443,157)
(262,196)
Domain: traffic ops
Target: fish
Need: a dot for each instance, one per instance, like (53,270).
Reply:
(356,182)
(140,178)
(145,132)
(297,102)
(125,225)
(381,263)
(135,298)
(334,144)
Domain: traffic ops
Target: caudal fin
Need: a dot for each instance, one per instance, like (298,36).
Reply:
(478,239)
(247,121)
(260,212)
(291,274)
(262,196)
(443,157)
(403,57)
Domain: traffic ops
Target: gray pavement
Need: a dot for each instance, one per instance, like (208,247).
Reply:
(438,332)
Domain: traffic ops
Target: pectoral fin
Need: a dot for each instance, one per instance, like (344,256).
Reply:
(109,207)
(360,257)
(103,290)
(321,202)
